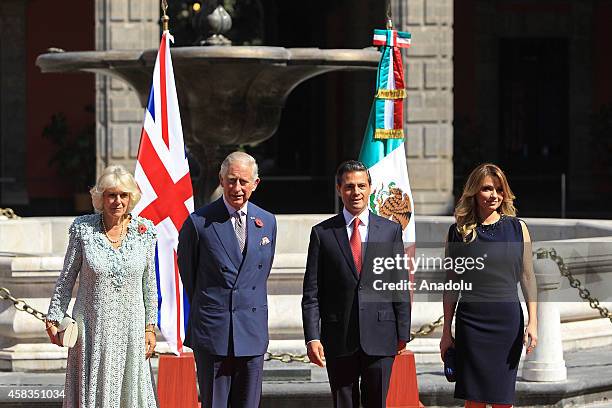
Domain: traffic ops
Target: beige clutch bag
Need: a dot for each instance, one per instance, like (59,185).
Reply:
(68,332)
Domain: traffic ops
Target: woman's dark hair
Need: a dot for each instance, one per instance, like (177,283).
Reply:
(350,166)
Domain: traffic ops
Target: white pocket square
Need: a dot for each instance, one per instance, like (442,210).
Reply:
(264,241)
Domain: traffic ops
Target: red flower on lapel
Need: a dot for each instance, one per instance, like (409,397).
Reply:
(259,223)
(142,228)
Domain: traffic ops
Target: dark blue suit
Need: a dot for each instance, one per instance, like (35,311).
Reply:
(358,326)
(228,320)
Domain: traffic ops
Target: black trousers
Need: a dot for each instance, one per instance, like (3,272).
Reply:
(228,381)
(345,372)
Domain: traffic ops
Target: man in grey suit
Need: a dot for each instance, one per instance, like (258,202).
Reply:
(355,330)
(225,254)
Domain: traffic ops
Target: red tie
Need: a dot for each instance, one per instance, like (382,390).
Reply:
(356,245)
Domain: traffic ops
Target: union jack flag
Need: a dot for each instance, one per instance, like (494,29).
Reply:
(162,173)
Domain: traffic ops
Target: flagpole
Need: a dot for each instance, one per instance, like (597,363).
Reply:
(389,21)
(165,19)
(161,154)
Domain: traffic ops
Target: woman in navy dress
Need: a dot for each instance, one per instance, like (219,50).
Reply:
(489,328)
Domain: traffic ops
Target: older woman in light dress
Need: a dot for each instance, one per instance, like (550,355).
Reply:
(113,255)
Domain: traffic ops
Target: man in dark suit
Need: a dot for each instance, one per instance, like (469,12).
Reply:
(225,254)
(361,328)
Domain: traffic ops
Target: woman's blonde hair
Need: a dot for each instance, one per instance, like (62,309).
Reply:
(115,176)
(466,209)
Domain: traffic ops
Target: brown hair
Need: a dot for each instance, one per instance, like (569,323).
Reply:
(465,210)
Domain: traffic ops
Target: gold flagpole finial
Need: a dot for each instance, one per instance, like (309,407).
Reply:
(389,21)
(165,18)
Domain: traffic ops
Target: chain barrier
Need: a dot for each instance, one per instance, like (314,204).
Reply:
(20,304)
(287,357)
(8,213)
(575,283)
(427,329)
(424,330)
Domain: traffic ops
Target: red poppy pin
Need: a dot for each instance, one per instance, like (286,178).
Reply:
(142,228)
(259,222)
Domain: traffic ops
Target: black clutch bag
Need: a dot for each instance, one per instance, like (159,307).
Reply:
(449,365)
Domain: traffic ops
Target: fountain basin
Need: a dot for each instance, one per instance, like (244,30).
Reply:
(227,95)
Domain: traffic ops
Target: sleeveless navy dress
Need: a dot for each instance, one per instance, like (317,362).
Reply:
(489,318)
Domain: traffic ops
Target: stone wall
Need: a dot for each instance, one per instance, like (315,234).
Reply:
(121,25)
(429,73)
(133,24)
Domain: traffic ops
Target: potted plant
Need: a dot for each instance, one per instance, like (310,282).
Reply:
(74,157)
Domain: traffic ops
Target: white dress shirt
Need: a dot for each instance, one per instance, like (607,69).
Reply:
(364,218)
(231,210)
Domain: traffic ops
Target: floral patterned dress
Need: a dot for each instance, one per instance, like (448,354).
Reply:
(116,298)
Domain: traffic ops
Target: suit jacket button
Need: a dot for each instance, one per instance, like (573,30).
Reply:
(253,288)
(260,266)
(233,309)
(360,287)
(253,309)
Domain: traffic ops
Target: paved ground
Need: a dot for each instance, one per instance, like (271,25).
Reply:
(589,385)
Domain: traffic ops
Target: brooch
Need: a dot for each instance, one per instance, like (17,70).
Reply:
(142,228)
(259,223)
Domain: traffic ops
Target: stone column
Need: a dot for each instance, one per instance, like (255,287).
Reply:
(121,25)
(429,73)
(546,362)
(13,102)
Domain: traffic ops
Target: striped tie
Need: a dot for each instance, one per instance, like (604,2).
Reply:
(240,231)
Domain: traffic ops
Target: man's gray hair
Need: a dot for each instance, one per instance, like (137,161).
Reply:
(239,157)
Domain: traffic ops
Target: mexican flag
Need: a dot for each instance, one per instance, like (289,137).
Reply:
(382,150)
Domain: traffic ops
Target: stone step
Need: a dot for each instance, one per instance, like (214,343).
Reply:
(302,385)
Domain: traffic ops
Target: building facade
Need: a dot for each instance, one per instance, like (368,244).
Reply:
(521,83)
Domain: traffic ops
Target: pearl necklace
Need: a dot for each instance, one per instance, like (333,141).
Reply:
(106,231)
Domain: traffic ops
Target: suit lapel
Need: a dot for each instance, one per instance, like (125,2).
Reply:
(254,234)
(222,225)
(373,231)
(343,242)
